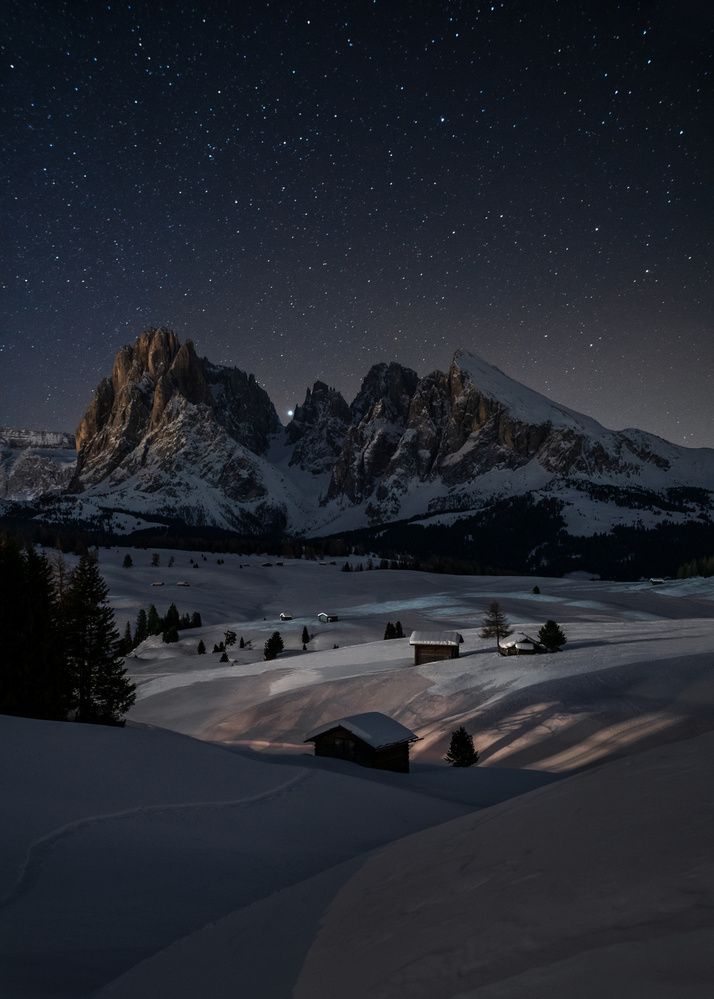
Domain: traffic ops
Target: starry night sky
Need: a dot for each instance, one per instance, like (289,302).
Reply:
(305,189)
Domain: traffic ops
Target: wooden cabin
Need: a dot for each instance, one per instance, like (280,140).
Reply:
(371,740)
(523,646)
(326,618)
(435,646)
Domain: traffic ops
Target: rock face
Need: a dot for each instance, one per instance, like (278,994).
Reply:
(170,425)
(318,429)
(171,434)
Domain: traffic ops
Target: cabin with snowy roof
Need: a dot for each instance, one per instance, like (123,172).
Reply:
(523,646)
(435,646)
(370,739)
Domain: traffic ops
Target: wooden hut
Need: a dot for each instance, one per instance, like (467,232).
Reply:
(327,618)
(523,646)
(435,646)
(370,739)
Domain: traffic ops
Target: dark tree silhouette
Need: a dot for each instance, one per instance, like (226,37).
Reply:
(101,692)
(461,749)
(551,636)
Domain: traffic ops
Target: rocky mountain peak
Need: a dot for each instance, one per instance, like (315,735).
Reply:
(318,428)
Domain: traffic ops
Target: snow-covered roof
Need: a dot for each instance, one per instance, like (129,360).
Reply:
(435,638)
(374,728)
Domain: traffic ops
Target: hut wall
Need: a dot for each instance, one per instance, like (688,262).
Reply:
(434,653)
(341,744)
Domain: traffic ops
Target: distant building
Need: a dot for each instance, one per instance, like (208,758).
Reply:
(327,618)
(435,646)
(370,740)
(523,646)
(286,617)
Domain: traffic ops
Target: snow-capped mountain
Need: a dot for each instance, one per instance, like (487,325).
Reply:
(34,463)
(171,434)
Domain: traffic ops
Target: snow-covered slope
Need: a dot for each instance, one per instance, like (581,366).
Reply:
(141,863)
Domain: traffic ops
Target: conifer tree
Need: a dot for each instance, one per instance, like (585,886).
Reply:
(398,630)
(305,638)
(551,636)
(153,621)
(101,692)
(201,648)
(461,749)
(495,623)
(389,631)
(142,628)
(273,646)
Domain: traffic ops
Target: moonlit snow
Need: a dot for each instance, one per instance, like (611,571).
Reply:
(203,851)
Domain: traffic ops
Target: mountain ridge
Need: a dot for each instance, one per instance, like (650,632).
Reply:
(172,434)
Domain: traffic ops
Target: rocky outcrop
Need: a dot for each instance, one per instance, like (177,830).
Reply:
(318,428)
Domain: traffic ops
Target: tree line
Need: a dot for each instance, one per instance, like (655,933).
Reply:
(61,650)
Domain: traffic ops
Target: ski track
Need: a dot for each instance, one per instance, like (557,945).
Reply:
(38,851)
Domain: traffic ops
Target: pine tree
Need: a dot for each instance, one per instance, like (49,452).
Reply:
(398,630)
(153,621)
(142,628)
(128,561)
(461,749)
(34,680)
(389,631)
(172,619)
(241,644)
(230,638)
(305,638)
(101,692)
(495,623)
(170,635)
(196,620)
(273,646)
(551,636)
(127,642)
(201,648)
(224,657)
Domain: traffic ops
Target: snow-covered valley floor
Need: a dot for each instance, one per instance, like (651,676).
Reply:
(203,851)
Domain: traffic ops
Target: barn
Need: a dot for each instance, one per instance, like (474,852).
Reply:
(435,646)
(370,739)
(327,618)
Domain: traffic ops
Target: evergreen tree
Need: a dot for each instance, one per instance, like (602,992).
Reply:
(551,636)
(305,635)
(495,623)
(142,628)
(230,638)
(128,561)
(155,560)
(224,657)
(170,635)
(153,621)
(172,619)
(196,620)
(398,630)
(461,749)
(33,676)
(127,642)
(241,644)
(389,631)
(201,648)
(273,647)
(101,692)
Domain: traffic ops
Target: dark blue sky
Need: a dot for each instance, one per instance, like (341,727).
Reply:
(305,189)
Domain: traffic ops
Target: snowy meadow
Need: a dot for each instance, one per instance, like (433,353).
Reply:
(203,851)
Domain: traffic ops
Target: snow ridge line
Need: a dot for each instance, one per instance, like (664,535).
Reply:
(38,851)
